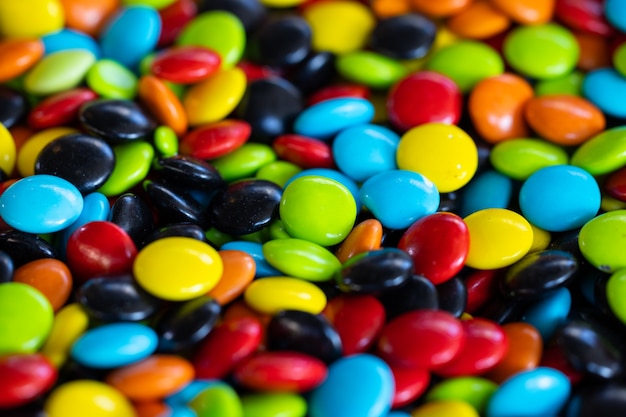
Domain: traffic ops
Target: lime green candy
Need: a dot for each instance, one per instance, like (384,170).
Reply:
(218,400)
(274,404)
(318,209)
(475,391)
(244,161)
(279,172)
(369,68)
(132,163)
(59,71)
(466,63)
(165,141)
(277,230)
(619,59)
(111,79)
(519,158)
(301,259)
(616,294)
(541,51)
(570,84)
(602,241)
(217,238)
(157,4)
(26,318)
(603,153)
(219,31)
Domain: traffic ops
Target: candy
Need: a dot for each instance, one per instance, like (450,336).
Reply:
(59,109)
(301,259)
(407,36)
(520,158)
(31,19)
(272,294)
(93,397)
(59,71)
(26,377)
(217,400)
(475,391)
(369,68)
(18,56)
(329,117)
(271,404)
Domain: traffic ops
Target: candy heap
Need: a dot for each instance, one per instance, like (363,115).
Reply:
(312,208)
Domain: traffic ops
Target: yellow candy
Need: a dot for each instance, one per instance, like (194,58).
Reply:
(82,398)
(69,324)
(541,239)
(281,3)
(609,203)
(30,18)
(339,26)
(499,238)
(178,268)
(7,150)
(28,153)
(445,409)
(272,294)
(445,154)
(213,99)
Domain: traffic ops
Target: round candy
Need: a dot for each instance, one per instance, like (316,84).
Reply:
(111,79)
(480,20)
(489,189)
(526,12)
(186,64)
(7,150)
(69,39)
(474,391)
(524,353)
(603,87)
(520,158)
(408,36)
(616,14)
(329,117)
(273,294)
(69,323)
(283,42)
(603,153)
(167,109)
(217,400)
(18,55)
(60,109)
(30,19)
(115,120)
(602,239)
(13,106)
(301,259)
(50,276)
(370,68)
(132,163)
(74,398)
(547,314)
(59,71)
(24,378)
(28,152)
(303,151)
(272,404)
(441,8)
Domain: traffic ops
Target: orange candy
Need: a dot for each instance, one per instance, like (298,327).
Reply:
(88,16)
(364,237)
(527,12)
(153,378)
(480,20)
(163,103)
(50,276)
(440,8)
(594,51)
(17,56)
(524,353)
(496,107)
(239,270)
(390,8)
(151,409)
(564,119)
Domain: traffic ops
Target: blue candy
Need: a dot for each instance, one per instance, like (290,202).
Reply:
(189,392)
(487,190)
(398,414)
(41,204)
(96,207)
(365,150)
(333,175)
(131,35)
(398,198)
(539,392)
(70,39)
(322,120)
(606,88)
(254,249)
(615,12)
(357,386)
(114,345)
(560,198)
(549,313)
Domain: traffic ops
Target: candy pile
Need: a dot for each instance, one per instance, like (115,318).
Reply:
(312,208)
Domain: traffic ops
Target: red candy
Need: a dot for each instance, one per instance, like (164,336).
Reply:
(304,151)
(174,18)
(338,91)
(186,64)
(215,139)
(60,109)
(409,384)
(438,244)
(585,15)
(615,184)
(482,285)
(256,72)
(24,378)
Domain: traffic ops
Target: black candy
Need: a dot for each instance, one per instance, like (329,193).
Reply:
(116,121)
(24,247)
(250,12)
(375,271)
(13,107)
(6,267)
(408,36)
(190,172)
(178,229)
(283,42)
(133,214)
(417,293)
(452,296)
(606,400)
(175,204)
(315,72)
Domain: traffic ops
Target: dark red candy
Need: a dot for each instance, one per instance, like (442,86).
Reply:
(438,244)
(255,71)
(60,109)
(615,184)
(339,91)
(304,151)
(186,64)
(100,248)
(584,15)
(358,319)
(481,285)
(409,384)
(485,345)
(422,339)
(215,139)
(174,18)
(424,97)
(226,346)
(281,371)
(23,378)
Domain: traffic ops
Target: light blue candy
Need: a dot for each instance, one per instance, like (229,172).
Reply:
(606,88)
(255,250)
(487,190)
(615,12)
(333,175)
(398,198)
(41,204)
(114,345)
(549,313)
(96,207)
(356,386)
(189,392)
(539,392)
(398,414)
(180,410)
(131,35)
(363,151)
(329,117)
(560,198)
(66,39)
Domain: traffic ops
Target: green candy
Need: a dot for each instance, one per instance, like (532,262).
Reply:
(216,237)
(273,405)
(277,230)
(570,84)
(157,4)
(602,241)
(145,65)
(475,391)
(111,79)
(466,63)
(218,30)
(603,153)
(58,72)
(279,172)
(301,259)
(318,209)
(245,161)
(218,400)
(165,141)
(619,59)
(26,318)
(132,163)
(520,158)
(616,294)
(369,68)
(260,236)
(541,51)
